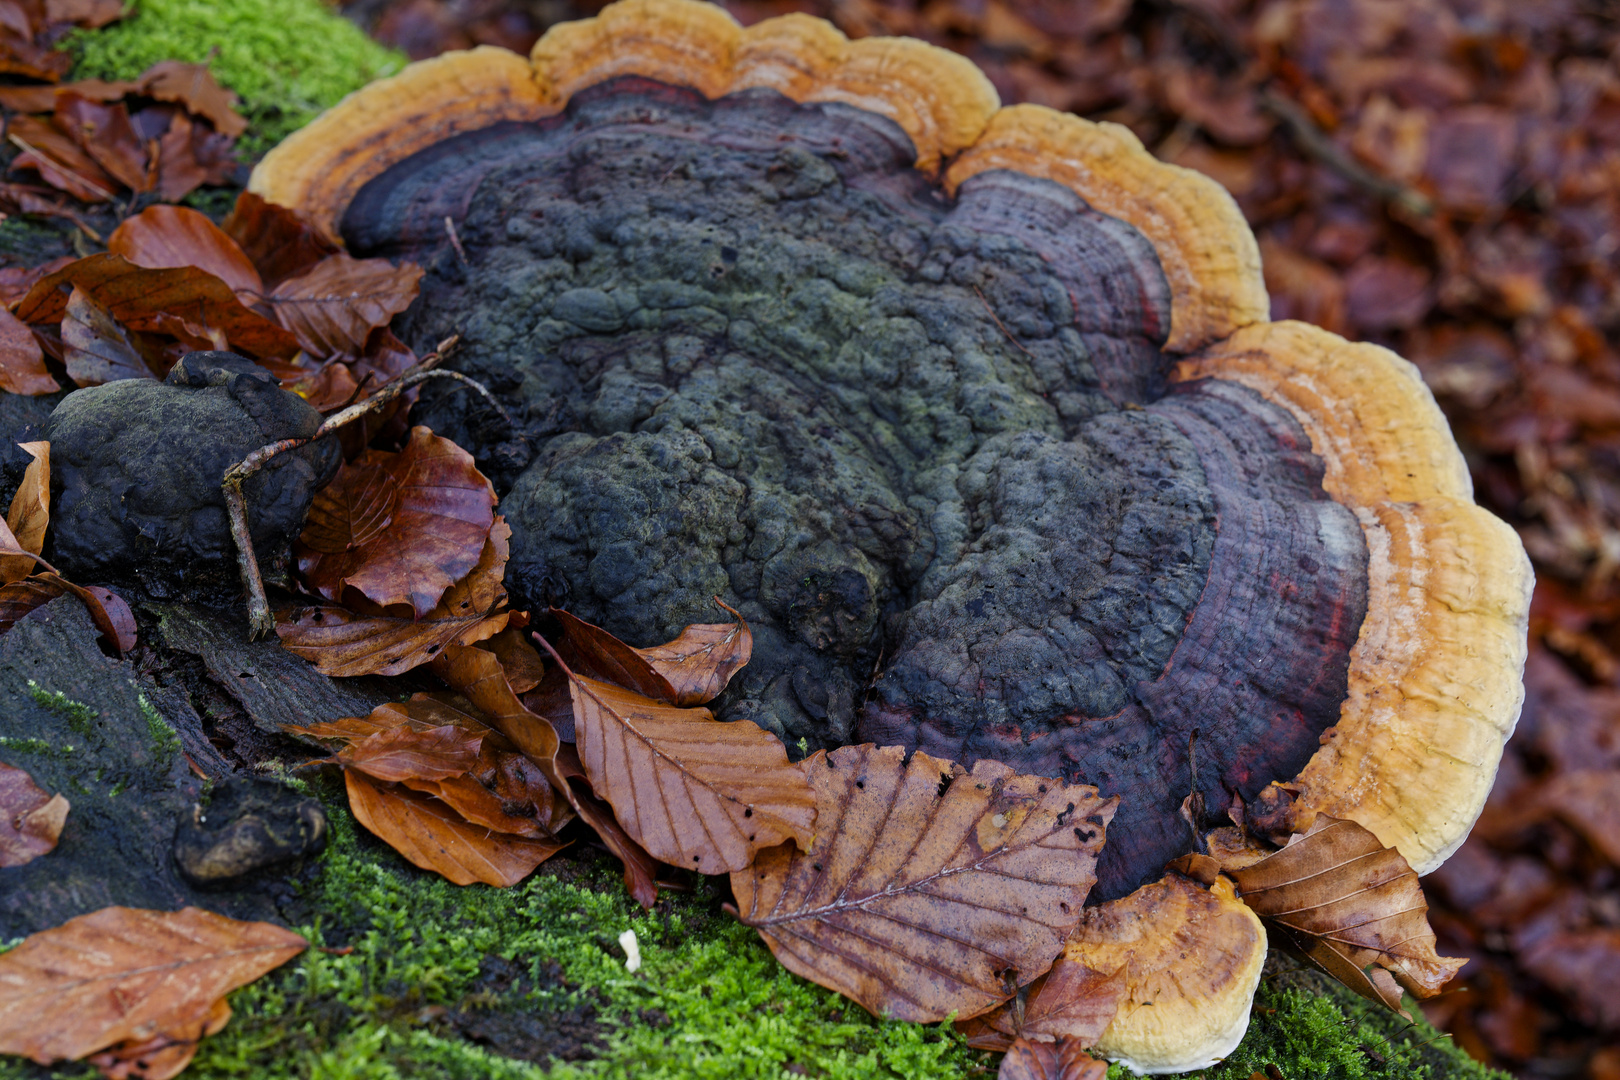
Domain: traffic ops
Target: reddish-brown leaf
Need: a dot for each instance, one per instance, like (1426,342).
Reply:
(20,54)
(30,513)
(20,597)
(333,307)
(89,14)
(431,835)
(22,363)
(42,99)
(169,236)
(60,161)
(194,86)
(105,133)
(405,754)
(108,610)
(164,1055)
(435,532)
(421,713)
(692,791)
(1072,1001)
(145,299)
(1065,1059)
(520,661)
(340,642)
(279,242)
(122,975)
(591,650)
(98,350)
(928,887)
(1346,903)
(640,868)
(190,155)
(30,820)
(698,664)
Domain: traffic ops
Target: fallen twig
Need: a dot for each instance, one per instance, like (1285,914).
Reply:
(260,620)
(1315,142)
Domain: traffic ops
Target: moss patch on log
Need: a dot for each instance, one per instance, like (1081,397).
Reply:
(288,59)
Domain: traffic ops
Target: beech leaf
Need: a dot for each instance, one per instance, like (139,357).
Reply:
(22,362)
(433,836)
(640,868)
(105,132)
(1065,1059)
(352,511)
(279,243)
(30,513)
(195,87)
(30,820)
(929,890)
(698,664)
(123,975)
(588,649)
(1072,1001)
(406,754)
(690,790)
(1345,902)
(333,307)
(167,236)
(96,349)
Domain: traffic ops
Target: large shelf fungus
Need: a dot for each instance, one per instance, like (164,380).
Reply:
(974,410)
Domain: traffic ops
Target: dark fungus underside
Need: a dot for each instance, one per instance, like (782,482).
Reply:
(926,446)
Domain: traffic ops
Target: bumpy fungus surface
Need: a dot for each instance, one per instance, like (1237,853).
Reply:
(927,437)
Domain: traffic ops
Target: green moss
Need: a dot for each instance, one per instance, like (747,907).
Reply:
(165,740)
(708,1002)
(34,746)
(288,59)
(78,715)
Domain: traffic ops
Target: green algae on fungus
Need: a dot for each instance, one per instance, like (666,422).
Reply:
(287,59)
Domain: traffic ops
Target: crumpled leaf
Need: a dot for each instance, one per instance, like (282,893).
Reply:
(30,820)
(115,623)
(431,835)
(333,307)
(1072,1003)
(698,664)
(98,350)
(404,754)
(195,87)
(343,643)
(279,243)
(30,513)
(104,131)
(22,362)
(690,790)
(913,858)
(190,155)
(60,161)
(438,510)
(1066,1059)
(170,236)
(1346,902)
(588,649)
(123,975)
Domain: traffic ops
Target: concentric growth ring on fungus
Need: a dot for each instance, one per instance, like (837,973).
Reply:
(977,414)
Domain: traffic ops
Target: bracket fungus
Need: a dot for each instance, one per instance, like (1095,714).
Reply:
(978,413)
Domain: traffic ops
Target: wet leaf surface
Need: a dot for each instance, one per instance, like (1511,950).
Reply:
(277,241)
(1065,1059)
(31,820)
(97,349)
(1071,1002)
(174,236)
(405,754)
(22,362)
(333,307)
(929,890)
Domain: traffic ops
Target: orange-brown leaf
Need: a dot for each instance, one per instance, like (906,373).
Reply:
(422,712)
(431,835)
(59,160)
(588,649)
(698,664)
(108,610)
(520,800)
(164,1055)
(340,642)
(167,236)
(1346,902)
(30,820)
(519,659)
(279,242)
(195,87)
(22,362)
(333,307)
(438,515)
(928,887)
(30,513)
(1072,1001)
(405,754)
(692,791)
(124,975)
(20,597)
(106,134)
(1065,1059)
(640,868)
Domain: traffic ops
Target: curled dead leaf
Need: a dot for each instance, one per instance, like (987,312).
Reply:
(126,976)
(1346,903)
(587,649)
(698,664)
(96,349)
(929,890)
(30,820)
(194,86)
(640,868)
(1065,1059)
(278,242)
(406,754)
(30,513)
(333,307)
(1071,1002)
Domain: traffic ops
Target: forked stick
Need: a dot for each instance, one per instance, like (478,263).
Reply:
(260,620)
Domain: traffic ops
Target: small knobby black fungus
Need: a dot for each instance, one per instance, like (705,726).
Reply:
(136,468)
(246,826)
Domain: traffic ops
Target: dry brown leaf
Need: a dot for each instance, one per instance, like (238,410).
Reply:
(164,1055)
(22,362)
(195,87)
(30,820)
(114,621)
(698,664)
(169,236)
(404,542)
(89,14)
(422,712)
(690,790)
(333,307)
(1066,1059)
(588,649)
(98,350)
(60,162)
(930,890)
(278,242)
(30,513)
(1346,902)
(1072,1001)
(406,754)
(520,660)
(104,131)
(190,155)
(434,837)
(640,868)
(340,642)
(122,975)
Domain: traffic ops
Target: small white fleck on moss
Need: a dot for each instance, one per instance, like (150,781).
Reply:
(632,951)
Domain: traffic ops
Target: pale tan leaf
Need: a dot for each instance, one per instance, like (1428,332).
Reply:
(1344,901)
(698,664)
(30,820)
(124,975)
(930,890)
(164,1055)
(30,513)
(431,835)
